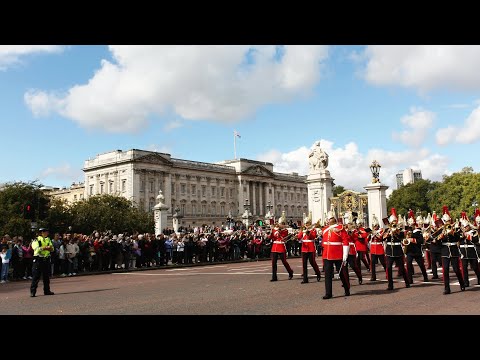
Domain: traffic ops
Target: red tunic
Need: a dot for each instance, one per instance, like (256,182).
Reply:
(361,239)
(334,238)
(353,248)
(308,241)
(376,243)
(277,236)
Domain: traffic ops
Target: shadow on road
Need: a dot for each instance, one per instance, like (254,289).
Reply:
(80,292)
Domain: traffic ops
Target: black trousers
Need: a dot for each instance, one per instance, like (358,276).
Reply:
(421,265)
(355,265)
(41,268)
(329,275)
(311,258)
(474,264)
(435,258)
(363,255)
(283,257)
(446,261)
(401,269)
(375,257)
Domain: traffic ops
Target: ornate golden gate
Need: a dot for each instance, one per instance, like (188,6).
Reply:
(351,201)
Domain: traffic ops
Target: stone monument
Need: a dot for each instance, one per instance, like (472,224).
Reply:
(160,214)
(319,183)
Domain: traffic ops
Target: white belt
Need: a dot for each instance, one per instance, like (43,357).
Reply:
(279,242)
(450,244)
(467,246)
(333,243)
(307,240)
(394,243)
(376,243)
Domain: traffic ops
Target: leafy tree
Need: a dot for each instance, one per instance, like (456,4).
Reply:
(412,196)
(13,197)
(338,189)
(457,191)
(109,212)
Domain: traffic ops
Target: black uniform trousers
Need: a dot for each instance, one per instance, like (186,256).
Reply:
(41,267)
(380,258)
(363,255)
(355,265)
(446,261)
(435,257)
(398,260)
(474,264)
(329,275)
(311,258)
(421,265)
(283,257)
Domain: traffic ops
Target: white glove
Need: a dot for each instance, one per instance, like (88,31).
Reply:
(346,248)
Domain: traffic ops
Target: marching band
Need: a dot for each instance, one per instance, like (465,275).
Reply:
(429,241)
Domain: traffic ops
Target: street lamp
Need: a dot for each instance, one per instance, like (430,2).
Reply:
(375,169)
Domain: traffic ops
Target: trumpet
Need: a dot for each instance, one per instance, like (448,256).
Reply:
(406,241)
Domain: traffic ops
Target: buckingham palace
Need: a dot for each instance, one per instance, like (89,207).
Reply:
(202,193)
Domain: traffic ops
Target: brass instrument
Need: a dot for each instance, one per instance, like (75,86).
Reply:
(406,241)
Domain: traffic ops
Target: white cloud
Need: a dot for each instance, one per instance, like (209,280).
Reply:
(63,172)
(12,54)
(417,124)
(350,168)
(219,83)
(159,148)
(175,124)
(458,106)
(468,133)
(424,67)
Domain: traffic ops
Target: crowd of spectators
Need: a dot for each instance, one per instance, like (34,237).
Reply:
(103,251)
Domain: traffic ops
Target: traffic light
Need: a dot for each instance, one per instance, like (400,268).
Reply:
(42,208)
(29,212)
(260,222)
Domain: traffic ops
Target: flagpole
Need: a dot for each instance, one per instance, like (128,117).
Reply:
(235,144)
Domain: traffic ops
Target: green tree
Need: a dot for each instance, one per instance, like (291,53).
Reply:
(13,197)
(412,196)
(109,212)
(338,189)
(457,191)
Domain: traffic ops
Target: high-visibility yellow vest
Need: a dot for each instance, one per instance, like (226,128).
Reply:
(40,244)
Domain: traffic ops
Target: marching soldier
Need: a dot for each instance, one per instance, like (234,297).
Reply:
(377,251)
(335,252)
(450,252)
(42,247)
(279,250)
(361,244)
(393,249)
(352,259)
(413,243)
(434,245)
(469,254)
(307,237)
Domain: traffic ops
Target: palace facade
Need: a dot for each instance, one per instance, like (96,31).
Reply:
(202,193)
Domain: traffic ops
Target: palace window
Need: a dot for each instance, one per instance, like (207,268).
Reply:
(91,190)
(124,184)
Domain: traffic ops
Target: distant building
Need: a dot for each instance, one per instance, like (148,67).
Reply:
(72,194)
(408,176)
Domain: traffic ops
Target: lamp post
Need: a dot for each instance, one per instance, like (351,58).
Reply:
(375,169)
(268,216)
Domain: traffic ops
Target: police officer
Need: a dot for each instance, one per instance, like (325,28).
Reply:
(42,247)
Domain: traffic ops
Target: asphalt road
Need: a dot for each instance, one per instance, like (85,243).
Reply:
(236,289)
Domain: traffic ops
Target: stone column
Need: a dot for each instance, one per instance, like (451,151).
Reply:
(377,202)
(253,200)
(261,199)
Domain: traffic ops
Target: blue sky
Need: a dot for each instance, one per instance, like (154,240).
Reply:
(405,106)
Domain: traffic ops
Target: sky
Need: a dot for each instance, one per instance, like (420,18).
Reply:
(404,106)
